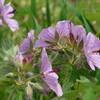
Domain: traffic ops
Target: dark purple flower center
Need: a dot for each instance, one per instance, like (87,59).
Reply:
(28,59)
(12,12)
(97,51)
(54,71)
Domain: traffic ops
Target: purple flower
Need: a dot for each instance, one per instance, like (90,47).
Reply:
(24,60)
(27,45)
(92,50)
(6,13)
(0,22)
(77,34)
(74,34)
(49,75)
(48,36)
(19,60)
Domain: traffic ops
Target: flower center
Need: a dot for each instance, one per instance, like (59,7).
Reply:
(12,12)
(52,71)
(96,51)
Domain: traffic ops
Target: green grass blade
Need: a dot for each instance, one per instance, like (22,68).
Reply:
(36,24)
(48,13)
(63,13)
(89,27)
(33,7)
(1,36)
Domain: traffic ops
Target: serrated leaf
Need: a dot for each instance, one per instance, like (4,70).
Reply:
(89,95)
(70,79)
(71,95)
(86,74)
(6,70)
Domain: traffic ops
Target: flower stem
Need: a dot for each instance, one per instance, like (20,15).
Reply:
(54,57)
(64,51)
(41,97)
(58,98)
(34,77)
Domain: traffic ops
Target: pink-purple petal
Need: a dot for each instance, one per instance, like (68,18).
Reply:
(63,28)
(13,24)
(51,79)
(0,22)
(2,2)
(47,34)
(41,43)
(8,9)
(91,47)
(78,32)
(31,35)
(6,12)
(26,44)
(45,63)
(52,82)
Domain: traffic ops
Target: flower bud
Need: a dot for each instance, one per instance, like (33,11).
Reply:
(38,86)
(29,92)
(25,62)
(28,62)
(19,60)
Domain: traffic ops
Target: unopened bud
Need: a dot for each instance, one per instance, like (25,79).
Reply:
(29,92)
(19,60)
(37,85)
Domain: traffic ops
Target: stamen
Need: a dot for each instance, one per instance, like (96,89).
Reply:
(52,71)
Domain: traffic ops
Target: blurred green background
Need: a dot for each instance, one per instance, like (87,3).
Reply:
(38,14)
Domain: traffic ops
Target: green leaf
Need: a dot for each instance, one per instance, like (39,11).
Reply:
(89,95)
(7,69)
(86,74)
(70,78)
(58,98)
(71,95)
(98,76)
(19,95)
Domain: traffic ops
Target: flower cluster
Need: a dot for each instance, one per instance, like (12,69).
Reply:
(75,36)
(65,37)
